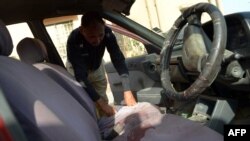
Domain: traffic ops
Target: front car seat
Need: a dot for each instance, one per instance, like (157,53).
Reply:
(44,109)
(144,121)
(33,51)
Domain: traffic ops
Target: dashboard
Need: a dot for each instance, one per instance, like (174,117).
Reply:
(238,29)
(235,70)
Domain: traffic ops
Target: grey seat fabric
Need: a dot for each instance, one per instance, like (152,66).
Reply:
(45,110)
(33,51)
(140,122)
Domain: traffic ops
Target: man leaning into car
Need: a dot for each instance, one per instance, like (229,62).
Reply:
(85,49)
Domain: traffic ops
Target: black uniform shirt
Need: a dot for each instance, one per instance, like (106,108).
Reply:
(85,57)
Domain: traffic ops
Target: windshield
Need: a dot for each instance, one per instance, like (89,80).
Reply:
(160,15)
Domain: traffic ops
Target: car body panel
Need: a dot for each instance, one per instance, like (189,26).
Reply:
(32,9)
(143,74)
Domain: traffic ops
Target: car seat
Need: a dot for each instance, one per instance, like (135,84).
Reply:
(33,51)
(144,121)
(44,109)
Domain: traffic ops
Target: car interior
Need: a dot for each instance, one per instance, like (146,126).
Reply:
(187,86)
(42,109)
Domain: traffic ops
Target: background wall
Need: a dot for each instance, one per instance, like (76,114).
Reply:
(162,13)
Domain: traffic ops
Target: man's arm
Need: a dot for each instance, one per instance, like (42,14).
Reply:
(118,61)
(80,71)
(107,109)
(128,95)
(81,76)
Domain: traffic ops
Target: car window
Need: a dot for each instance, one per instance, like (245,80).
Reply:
(129,45)
(160,15)
(18,32)
(59,29)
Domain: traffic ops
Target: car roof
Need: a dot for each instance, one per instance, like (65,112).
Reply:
(14,11)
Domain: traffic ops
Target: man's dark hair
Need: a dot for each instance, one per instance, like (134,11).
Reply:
(90,18)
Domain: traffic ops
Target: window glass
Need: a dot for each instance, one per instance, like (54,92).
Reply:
(18,32)
(59,29)
(130,47)
(59,33)
(160,15)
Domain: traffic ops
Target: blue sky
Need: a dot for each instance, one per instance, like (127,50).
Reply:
(231,6)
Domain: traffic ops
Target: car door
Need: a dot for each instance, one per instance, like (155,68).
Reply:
(143,66)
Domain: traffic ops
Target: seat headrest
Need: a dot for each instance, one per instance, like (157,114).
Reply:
(32,51)
(6,45)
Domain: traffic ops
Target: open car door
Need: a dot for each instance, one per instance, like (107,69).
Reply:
(143,66)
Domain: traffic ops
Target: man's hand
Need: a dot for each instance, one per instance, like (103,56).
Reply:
(129,98)
(107,109)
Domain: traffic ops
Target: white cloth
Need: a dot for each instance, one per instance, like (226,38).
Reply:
(144,122)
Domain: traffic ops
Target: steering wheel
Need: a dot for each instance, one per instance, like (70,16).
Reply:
(213,61)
